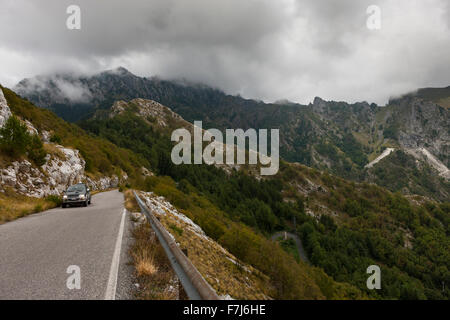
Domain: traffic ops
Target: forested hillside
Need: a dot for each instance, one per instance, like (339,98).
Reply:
(345,226)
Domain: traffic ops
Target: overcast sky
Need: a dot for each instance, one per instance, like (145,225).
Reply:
(263,49)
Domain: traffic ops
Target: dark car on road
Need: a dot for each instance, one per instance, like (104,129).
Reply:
(77,194)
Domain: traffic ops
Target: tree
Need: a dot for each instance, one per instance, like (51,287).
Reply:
(14,137)
(36,151)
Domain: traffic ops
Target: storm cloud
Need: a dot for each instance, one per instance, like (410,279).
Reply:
(262,49)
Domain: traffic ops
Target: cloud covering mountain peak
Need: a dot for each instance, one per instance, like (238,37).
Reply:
(268,50)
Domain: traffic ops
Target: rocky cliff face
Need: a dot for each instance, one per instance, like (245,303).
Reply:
(51,179)
(149,110)
(63,168)
(5,113)
(423,124)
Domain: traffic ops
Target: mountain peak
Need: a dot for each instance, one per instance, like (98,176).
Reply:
(318,100)
(149,110)
(120,71)
(318,105)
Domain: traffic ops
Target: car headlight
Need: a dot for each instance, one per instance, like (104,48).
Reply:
(64,197)
(82,196)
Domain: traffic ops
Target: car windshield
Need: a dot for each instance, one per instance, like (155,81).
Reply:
(76,188)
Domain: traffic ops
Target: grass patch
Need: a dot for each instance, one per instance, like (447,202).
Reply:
(130,201)
(14,206)
(157,280)
(51,148)
(176,229)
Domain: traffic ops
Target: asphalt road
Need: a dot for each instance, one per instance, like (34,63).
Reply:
(37,251)
(298,243)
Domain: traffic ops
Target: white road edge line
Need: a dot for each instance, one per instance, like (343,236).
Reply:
(113,272)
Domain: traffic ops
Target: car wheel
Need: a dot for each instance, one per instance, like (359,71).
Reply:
(64,205)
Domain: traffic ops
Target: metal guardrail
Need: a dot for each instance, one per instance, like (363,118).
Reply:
(193,282)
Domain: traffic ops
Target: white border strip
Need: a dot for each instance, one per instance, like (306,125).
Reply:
(113,272)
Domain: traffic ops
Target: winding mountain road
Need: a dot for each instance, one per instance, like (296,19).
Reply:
(298,243)
(42,253)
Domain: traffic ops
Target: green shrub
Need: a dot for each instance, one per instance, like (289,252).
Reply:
(55,199)
(14,137)
(56,139)
(391,132)
(176,229)
(16,141)
(36,151)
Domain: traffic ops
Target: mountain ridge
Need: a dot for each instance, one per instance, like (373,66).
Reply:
(328,135)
